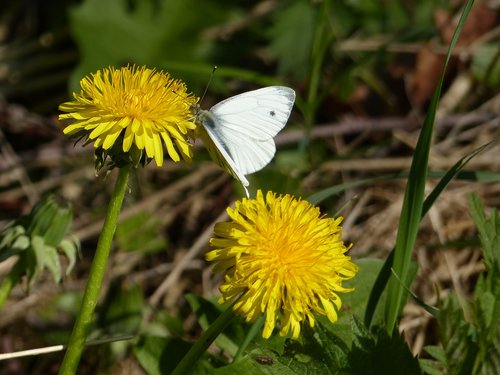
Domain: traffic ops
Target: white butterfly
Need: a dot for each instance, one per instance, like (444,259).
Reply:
(238,132)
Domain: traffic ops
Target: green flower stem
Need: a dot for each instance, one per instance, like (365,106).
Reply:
(253,331)
(200,346)
(9,281)
(85,315)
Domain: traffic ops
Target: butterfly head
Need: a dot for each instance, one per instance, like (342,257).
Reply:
(198,114)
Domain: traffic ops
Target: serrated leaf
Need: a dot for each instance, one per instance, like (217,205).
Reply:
(489,233)
(260,361)
(437,353)
(355,303)
(437,365)
(299,363)
(430,367)
(482,337)
(335,351)
(456,336)
(318,352)
(375,352)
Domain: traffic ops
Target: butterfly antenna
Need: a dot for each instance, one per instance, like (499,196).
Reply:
(208,84)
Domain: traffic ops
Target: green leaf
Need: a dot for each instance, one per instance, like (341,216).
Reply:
(430,367)
(437,353)
(486,305)
(9,234)
(355,303)
(21,243)
(70,248)
(140,232)
(486,309)
(46,256)
(37,237)
(50,220)
(47,225)
(260,361)
(437,365)
(457,337)
(145,32)
(41,216)
(292,38)
(59,225)
(489,234)
(121,311)
(376,352)
(206,313)
(318,352)
(164,324)
(160,355)
(486,64)
(13,241)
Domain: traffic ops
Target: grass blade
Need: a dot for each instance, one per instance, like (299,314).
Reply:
(320,196)
(452,173)
(414,197)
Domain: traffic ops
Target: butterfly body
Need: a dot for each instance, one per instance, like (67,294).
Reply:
(238,132)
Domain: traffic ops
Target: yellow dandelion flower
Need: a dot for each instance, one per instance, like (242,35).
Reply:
(138,106)
(281,258)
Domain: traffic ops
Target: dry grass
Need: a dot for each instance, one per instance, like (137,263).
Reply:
(188,199)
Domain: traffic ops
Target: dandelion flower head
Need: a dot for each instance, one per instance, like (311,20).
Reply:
(137,106)
(283,259)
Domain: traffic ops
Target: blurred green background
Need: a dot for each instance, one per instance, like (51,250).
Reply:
(46,44)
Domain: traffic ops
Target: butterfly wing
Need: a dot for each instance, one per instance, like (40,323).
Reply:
(238,132)
(247,122)
(248,154)
(258,114)
(217,148)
